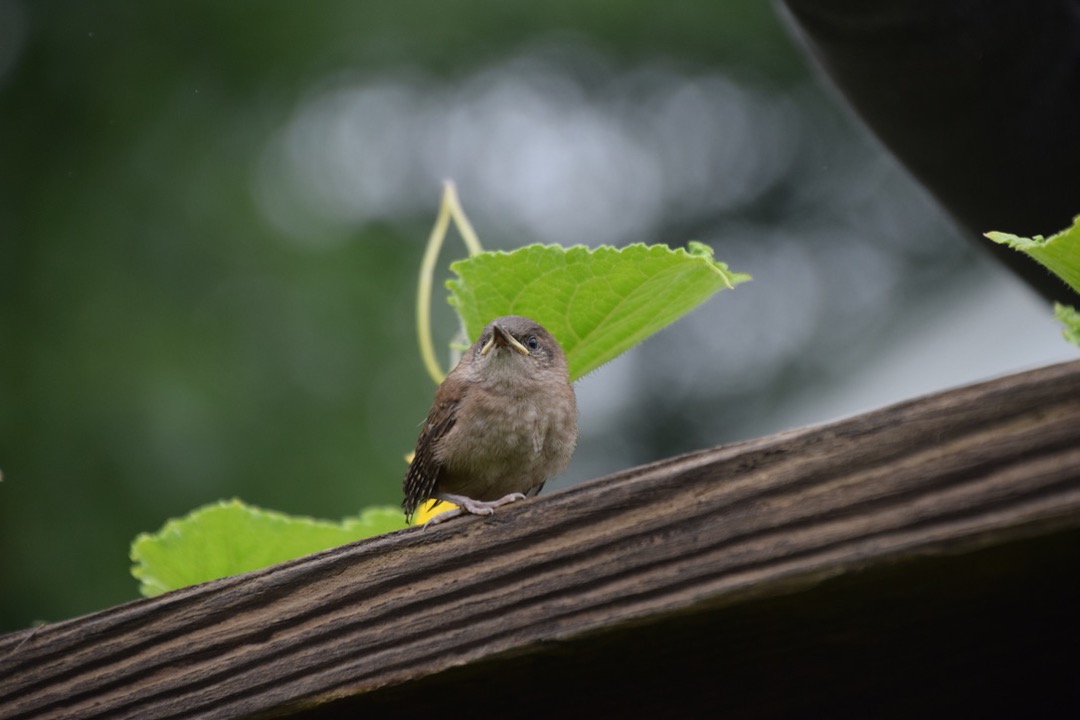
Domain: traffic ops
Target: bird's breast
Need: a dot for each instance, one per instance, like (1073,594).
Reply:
(505,444)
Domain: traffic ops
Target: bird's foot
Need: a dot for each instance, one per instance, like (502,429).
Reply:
(444,516)
(468,505)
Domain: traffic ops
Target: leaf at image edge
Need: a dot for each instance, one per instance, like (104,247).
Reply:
(1070,317)
(1059,253)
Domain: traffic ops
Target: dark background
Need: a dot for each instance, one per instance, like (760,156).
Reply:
(211,216)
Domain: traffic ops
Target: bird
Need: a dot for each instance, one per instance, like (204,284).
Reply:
(503,423)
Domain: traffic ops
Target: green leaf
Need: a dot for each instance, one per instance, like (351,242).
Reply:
(1059,253)
(1071,318)
(597,303)
(229,537)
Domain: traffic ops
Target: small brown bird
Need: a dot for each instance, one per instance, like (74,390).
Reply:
(503,423)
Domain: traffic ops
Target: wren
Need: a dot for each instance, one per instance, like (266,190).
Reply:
(504,422)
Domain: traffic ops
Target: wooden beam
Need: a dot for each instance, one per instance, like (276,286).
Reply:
(952,474)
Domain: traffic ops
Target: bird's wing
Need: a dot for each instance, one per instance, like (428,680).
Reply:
(423,473)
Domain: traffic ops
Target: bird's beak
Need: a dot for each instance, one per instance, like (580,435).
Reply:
(503,339)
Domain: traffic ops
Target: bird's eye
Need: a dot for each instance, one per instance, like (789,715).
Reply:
(532,343)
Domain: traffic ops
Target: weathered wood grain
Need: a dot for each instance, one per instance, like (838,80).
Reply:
(949,474)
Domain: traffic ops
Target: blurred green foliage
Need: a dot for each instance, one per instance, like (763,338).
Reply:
(161,344)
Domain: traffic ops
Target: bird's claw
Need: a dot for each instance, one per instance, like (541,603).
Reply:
(473,507)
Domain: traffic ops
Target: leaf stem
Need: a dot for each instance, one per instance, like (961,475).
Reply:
(449,209)
(465,228)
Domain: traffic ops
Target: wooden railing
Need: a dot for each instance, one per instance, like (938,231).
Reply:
(820,568)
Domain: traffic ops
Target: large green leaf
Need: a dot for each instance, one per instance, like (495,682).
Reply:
(597,303)
(229,537)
